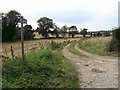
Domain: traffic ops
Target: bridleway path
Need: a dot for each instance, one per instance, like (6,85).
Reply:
(94,71)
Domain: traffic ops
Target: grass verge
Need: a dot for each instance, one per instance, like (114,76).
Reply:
(43,68)
(97,45)
(73,50)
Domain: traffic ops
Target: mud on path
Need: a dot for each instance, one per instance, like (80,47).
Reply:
(94,71)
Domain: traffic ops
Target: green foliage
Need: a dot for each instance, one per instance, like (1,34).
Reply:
(58,45)
(44,68)
(10,28)
(97,45)
(8,33)
(28,33)
(115,42)
(64,30)
(73,50)
(73,27)
(98,34)
(72,31)
(44,24)
(84,32)
(56,30)
(55,45)
(9,22)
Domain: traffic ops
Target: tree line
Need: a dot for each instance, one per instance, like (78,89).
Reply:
(11,28)
(46,26)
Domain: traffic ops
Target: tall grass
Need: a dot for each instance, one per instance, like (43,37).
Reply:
(98,45)
(43,68)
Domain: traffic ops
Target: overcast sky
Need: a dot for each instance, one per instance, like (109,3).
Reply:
(91,14)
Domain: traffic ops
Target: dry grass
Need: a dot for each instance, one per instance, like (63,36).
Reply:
(28,46)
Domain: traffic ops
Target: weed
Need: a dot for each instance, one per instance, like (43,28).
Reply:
(97,45)
(43,68)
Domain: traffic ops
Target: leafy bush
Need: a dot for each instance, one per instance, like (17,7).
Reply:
(115,42)
(42,68)
(55,45)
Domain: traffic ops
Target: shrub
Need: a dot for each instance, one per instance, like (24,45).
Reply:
(115,42)
(55,45)
(44,68)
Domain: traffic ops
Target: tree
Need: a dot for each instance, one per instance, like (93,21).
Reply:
(9,22)
(56,31)
(72,31)
(45,24)
(28,32)
(98,34)
(84,32)
(5,37)
(106,33)
(64,30)
(115,42)
(13,17)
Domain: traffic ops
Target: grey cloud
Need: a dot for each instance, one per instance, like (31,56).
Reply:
(74,16)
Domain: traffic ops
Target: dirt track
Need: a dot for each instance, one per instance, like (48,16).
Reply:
(94,71)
